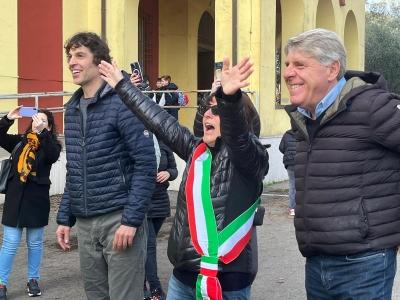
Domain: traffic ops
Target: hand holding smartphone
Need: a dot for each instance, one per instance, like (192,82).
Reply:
(218,69)
(27,111)
(137,70)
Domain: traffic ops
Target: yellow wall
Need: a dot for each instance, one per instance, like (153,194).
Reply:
(9,54)
(178,46)
(178,30)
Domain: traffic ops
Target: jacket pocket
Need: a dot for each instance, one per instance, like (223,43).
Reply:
(124,181)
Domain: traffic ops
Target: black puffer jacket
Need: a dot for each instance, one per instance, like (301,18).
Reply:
(160,205)
(348,172)
(288,147)
(235,182)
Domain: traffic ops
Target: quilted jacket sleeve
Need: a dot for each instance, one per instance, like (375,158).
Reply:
(245,150)
(163,125)
(64,215)
(385,119)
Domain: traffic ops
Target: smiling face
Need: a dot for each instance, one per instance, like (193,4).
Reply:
(307,80)
(211,125)
(84,72)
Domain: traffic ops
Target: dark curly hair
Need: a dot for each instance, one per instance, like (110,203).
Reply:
(251,115)
(91,40)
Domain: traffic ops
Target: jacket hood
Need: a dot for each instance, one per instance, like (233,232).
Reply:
(369,78)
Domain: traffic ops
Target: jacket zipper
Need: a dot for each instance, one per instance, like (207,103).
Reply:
(83,145)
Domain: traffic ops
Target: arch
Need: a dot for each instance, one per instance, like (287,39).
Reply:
(351,41)
(325,15)
(148,38)
(205,51)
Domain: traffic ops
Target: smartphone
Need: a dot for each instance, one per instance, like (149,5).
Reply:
(135,67)
(27,111)
(218,69)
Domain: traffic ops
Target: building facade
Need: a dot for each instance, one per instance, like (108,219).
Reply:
(182,38)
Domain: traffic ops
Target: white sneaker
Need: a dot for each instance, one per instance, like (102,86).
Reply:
(291,212)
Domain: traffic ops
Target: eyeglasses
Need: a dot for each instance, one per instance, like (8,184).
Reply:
(204,108)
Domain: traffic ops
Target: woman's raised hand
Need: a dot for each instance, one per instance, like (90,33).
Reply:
(235,78)
(14,114)
(110,73)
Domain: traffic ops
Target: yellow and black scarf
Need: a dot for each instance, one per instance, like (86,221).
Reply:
(27,157)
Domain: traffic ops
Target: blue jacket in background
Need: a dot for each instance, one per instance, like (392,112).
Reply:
(111,166)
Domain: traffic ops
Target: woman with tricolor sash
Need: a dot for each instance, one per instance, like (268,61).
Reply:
(213,241)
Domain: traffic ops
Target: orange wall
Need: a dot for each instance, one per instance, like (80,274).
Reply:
(39,53)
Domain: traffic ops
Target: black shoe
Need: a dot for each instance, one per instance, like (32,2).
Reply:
(3,292)
(157,294)
(33,288)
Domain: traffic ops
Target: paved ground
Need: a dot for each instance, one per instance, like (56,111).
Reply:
(280,273)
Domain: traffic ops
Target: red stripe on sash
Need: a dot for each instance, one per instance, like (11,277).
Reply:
(237,249)
(189,199)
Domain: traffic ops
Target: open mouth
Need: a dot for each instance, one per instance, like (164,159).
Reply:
(208,127)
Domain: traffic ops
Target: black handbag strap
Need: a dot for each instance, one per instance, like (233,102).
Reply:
(15,149)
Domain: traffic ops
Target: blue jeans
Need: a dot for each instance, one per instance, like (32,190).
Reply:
(154,225)
(292,188)
(364,276)
(178,290)
(11,240)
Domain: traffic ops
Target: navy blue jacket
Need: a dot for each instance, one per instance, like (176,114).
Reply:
(111,166)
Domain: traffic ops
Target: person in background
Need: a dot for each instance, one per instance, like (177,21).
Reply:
(347,126)
(287,147)
(158,83)
(158,212)
(111,168)
(171,98)
(27,200)
(217,187)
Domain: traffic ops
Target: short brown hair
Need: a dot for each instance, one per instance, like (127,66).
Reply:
(91,40)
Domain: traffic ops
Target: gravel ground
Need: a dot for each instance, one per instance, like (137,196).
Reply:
(281,267)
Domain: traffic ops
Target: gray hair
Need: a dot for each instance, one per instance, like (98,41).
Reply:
(323,45)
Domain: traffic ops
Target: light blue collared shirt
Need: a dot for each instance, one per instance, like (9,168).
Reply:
(326,101)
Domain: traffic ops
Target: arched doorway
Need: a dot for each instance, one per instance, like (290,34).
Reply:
(351,41)
(325,15)
(205,52)
(148,39)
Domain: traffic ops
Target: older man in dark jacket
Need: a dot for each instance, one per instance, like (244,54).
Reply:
(111,169)
(347,170)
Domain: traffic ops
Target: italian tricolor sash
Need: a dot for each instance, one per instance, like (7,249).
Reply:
(213,246)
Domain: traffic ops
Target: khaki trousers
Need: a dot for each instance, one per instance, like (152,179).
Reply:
(109,274)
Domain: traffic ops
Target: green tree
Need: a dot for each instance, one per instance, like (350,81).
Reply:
(382,41)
